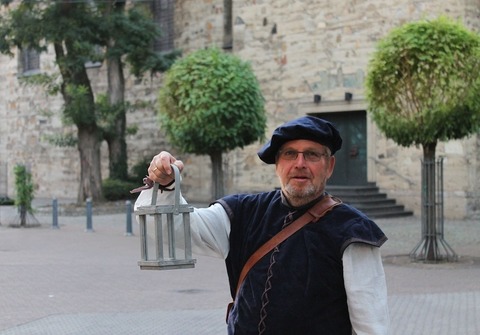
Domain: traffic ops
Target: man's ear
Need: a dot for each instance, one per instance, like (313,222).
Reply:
(331,166)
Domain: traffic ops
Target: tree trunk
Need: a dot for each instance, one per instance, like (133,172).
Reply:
(217,174)
(23,216)
(117,145)
(90,168)
(89,136)
(429,217)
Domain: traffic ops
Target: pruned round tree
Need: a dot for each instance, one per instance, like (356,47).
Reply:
(423,86)
(211,103)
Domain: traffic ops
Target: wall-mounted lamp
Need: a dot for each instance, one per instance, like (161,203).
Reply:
(348,96)
(317,98)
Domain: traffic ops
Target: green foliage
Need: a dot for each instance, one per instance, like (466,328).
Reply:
(23,188)
(21,28)
(81,32)
(73,29)
(139,170)
(211,102)
(423,84)
(6,201)
(132,129)
(107,114)
(134,33)
(114,189)
(62,140)
(78,110)
(47,81)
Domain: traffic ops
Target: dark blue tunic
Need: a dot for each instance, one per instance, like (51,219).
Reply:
(302,281)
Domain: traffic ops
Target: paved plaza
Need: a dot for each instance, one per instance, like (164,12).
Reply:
(77,282)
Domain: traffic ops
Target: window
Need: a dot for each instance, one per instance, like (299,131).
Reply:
(227,25)
(29,61)
(163,13)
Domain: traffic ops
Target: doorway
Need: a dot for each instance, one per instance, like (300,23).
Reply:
(351,159)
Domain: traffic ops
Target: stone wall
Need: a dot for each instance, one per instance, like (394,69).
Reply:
(303,48)
(297,49)
(26,119)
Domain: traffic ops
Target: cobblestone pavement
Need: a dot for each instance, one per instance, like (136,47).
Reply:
(71,281)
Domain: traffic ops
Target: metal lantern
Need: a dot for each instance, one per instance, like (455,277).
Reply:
(161,262)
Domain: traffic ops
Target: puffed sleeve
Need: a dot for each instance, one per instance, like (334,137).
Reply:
(366,289)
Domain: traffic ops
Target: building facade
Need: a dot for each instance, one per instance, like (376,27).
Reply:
(310,57)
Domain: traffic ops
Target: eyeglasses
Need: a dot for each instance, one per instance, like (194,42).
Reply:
(309,155)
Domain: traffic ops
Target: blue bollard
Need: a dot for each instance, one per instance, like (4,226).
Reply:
(89,216)
(55,214)
(128,205)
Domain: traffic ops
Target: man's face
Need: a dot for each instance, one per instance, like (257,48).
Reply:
(303,177)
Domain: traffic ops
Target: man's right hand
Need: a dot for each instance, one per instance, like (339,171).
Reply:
(160,170)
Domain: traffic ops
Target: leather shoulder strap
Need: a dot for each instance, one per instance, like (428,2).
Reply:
(312,215)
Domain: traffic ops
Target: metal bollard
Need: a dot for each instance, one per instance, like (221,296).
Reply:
(89,216)
(55,214)
(128,205)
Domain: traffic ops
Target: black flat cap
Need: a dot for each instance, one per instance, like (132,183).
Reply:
(304,128)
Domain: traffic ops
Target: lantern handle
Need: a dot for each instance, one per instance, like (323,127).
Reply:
(176,206)
(154,194)
(177,189)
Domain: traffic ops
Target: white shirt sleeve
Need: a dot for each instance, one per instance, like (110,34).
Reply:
(210,227)
(366,289)
(211,231)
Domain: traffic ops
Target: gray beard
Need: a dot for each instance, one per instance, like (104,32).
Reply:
(298,197)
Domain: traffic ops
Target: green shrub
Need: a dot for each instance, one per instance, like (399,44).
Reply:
(139,170)
(24,187)
(6,201)
(114,189)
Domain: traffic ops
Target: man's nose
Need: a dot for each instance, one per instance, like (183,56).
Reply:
(300,160)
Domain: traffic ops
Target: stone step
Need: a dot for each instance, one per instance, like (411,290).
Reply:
(369,200)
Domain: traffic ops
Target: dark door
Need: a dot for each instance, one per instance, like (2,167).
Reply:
(351,159)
